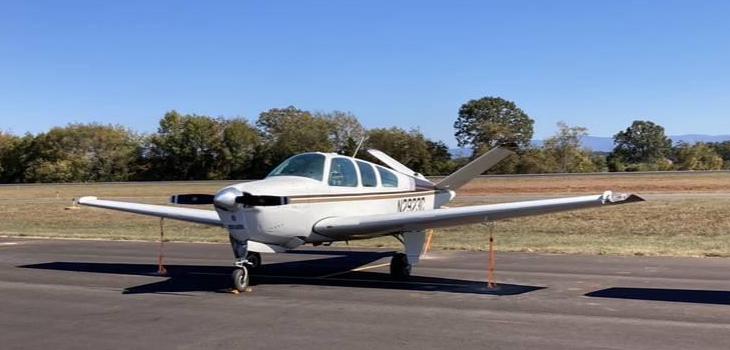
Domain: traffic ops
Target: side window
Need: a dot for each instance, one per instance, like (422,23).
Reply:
(367,174)
(342,173)
(387,178)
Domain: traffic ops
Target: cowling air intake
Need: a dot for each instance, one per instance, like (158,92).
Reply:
(249,200)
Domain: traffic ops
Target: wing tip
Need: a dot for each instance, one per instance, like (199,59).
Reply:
(86,199)
(635,198)
(621,198)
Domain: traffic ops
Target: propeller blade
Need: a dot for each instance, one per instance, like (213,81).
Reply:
(192,199)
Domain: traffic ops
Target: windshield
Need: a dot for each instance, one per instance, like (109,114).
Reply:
(309,165)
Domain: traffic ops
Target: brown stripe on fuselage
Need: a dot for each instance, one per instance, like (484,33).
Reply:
(359,196)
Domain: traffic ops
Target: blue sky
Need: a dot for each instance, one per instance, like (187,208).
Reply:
(598,64)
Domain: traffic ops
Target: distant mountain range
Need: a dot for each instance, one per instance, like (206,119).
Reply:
(605,144)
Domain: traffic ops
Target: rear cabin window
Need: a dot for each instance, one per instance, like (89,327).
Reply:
(342,173)
(387,178)
(367,174)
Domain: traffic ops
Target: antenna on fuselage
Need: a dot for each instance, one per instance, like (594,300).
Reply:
(358,146)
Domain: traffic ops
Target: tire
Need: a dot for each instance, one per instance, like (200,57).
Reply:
(400,268)
(240,279)
(254,259)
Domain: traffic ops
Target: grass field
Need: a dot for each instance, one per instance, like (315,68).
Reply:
(686,215)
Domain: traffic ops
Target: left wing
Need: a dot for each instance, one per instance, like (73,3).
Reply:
(374,225)
(200,216)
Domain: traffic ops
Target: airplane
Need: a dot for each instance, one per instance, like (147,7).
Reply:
(320,198)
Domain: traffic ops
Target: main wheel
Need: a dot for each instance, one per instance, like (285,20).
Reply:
(254,259)
(400,268)
(240,279)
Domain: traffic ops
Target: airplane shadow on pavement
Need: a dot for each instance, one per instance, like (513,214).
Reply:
(719,297)
(323,268)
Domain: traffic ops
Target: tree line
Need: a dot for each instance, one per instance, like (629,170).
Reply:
(198,147)
(642,146)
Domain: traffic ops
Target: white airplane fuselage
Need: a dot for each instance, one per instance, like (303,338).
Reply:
(310,200)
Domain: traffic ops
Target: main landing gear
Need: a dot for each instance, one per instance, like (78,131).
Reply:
(254,259)
(400,267)
(241,275)
(402,263)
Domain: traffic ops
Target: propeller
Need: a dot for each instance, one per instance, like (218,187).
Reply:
(228,199)
(192,199)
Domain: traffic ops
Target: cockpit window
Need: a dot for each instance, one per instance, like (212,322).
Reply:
(342,173)
(387,178)
(367,174)
(309,165)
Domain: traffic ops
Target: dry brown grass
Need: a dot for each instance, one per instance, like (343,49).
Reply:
(40,211)
(694,226)
(694,222)
(643,183)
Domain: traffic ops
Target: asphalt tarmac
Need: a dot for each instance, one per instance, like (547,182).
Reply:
(70,294)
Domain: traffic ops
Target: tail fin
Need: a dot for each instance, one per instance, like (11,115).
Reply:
(475,168)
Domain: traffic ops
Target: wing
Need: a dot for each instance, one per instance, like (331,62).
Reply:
(374,225)
(200,216)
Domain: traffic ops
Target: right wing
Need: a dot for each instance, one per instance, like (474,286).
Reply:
(199,216)
(364,226)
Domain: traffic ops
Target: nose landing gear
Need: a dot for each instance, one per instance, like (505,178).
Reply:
(240,279)
(241,275)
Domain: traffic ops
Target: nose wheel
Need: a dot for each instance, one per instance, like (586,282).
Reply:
(241,275)
(240,278)
(400,268)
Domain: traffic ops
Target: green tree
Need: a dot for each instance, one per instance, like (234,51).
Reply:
(600,162)
(492,121)
(16,158)
(699,156)
(723,150)
(81,152)
(441,162)
(196,147)
(8,157)
(241,142)
(288,131)
(565,147)
(642,146)
(185,147)
(535,161)
(346,131)
(408,147)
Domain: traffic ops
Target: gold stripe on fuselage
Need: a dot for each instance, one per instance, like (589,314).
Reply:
(360,196)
